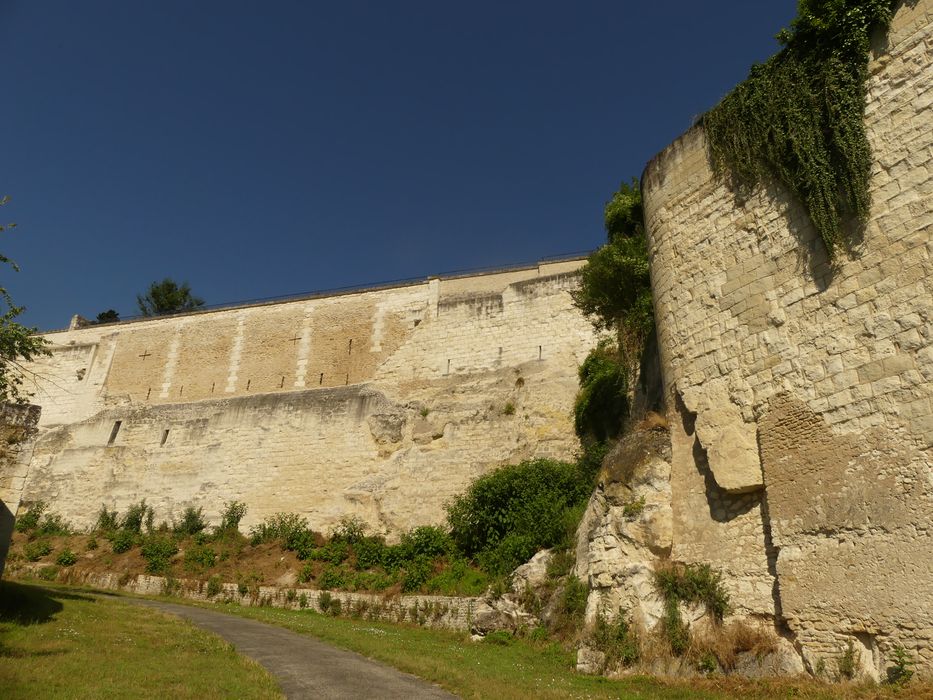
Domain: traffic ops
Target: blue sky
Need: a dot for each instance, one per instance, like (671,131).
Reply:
(263,149)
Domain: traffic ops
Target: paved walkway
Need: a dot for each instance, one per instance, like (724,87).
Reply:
(304,666)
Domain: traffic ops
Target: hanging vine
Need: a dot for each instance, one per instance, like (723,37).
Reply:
(799,117)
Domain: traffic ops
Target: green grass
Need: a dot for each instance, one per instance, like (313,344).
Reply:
(57,642)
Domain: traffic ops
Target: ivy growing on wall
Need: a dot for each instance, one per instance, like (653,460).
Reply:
(799,117)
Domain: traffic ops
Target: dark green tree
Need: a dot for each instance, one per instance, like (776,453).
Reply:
(167,297)
(108,316)
(18,343)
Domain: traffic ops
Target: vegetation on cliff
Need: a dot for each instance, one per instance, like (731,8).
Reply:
(615,295)
(798,118)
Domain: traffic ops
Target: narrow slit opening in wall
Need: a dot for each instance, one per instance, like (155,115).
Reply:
(113,433)
(320,381)
(347,382)
(212,386)
(540,351)
(148,393)
(181,390)
(350,346)
(448,367)
(248,382)
(164,437)
(282,383)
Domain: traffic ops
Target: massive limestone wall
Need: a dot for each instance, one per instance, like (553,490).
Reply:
(801,390)
(380,404)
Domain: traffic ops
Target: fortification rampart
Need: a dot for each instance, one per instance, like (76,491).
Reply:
(380,404)
(801,391)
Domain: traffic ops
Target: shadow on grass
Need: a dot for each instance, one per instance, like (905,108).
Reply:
(23,604)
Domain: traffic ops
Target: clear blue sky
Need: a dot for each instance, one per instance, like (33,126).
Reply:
(265,148)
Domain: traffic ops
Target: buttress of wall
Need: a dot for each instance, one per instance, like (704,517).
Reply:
(380,404)
(757,328)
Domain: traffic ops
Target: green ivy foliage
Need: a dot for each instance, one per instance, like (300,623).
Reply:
(798,118)
(602,405)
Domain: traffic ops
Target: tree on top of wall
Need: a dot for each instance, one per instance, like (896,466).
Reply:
(17,342)
(167,297)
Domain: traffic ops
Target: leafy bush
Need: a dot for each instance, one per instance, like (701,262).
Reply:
(48,573)
(231,516)
(505,516)
(29,520)
(426,541)
(123,541)
(214,586)
(350,530)
(303,600)
(369,552)
(135,516)
(331,577)
(902,671)
(91,544)
(417,573)
(616,639)
(67,558)
(158,551)
(107,520)
(693,584)
(601,406)
(323,602)
(34,551)
(52,525)
(499,637)
(200,557)
(288,528)
(192,522)
(334,552)
(306,573)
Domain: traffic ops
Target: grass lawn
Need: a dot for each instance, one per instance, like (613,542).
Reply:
(522,669)
(57,642)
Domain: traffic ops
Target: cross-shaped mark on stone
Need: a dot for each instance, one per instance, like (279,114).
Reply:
(146,354)
(295,339)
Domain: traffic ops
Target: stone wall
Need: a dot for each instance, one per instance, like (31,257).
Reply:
(801,391)
(17,435)
(381,403)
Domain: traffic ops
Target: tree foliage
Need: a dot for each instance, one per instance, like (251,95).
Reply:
(108,316)
(615,295)
(18,343)
(167,297)
(798,118)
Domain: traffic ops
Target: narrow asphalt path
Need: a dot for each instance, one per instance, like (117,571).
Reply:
(304,666)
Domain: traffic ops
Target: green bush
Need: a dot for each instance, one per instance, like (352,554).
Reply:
(324,601)
(231,516)
(67,558)
(350,530)
(369,552)
(34,551)
(214,586)
(901,671)
(334,552)
(306,573)
(123,541)
(135,516)
(692,584)
(192,522)
(332,577)
(601,406)
(288,528)
(107,520)
(303,600)
(426,541)
(505,516)
(616,639)
(200,557)
(29,520)
(48,573)
(52,525)
(158,551)
(91,544)
(417,573)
